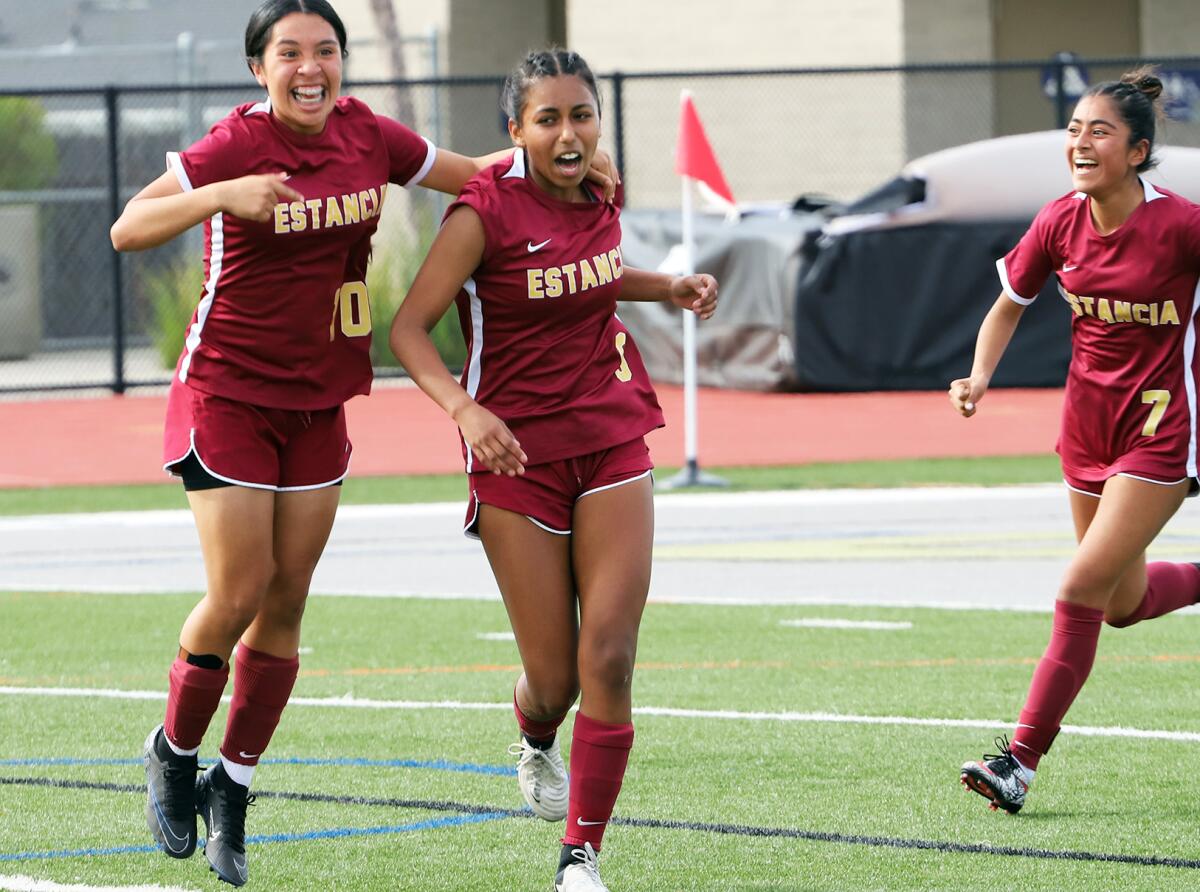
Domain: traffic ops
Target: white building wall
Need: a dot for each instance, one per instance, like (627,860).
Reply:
(776,138)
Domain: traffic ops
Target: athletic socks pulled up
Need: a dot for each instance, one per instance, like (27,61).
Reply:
(193,695)
(599,755)
(1168,588)
(261,686)
(1059,675)
(538,734)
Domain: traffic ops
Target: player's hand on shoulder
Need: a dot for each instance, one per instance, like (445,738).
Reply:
(697,292)
(490,440)
(965,394)
(603,172)
(254,197)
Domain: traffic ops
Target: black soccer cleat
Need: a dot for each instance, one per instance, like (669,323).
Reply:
(222,804)
(998,778)
(170,796)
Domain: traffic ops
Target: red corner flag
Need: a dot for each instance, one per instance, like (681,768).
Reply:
(694,155)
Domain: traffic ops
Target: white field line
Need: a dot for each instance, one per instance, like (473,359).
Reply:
(814,623)
(350,702)
(496,636)
(687,502)
(716,601)
(29,884)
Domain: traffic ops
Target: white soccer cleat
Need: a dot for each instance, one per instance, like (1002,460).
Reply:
(583,875)
(543,779)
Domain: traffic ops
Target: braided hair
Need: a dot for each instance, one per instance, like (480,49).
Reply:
(539,64)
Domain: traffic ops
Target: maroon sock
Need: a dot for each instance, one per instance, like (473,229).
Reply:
(261,687)
(535,730)
(193,695)
(1168,587)
(599,754)
(1059,675)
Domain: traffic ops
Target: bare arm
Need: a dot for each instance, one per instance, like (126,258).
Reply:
(994,334)
(451,171)
(697,293)
(453,257)
(163,209)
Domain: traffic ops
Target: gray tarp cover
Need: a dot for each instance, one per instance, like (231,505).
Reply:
(890,299)
(747,345)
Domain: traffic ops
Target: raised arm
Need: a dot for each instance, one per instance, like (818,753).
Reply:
(453,257)
(994,334)
(163,209)
(697,292)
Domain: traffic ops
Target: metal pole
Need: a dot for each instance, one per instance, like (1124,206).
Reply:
(1060,91)
(114,211)
(618,83)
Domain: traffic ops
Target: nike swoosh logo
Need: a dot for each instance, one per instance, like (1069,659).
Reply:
(582,823)
(531,247)
(1067,269)
(163,824)
(245,755)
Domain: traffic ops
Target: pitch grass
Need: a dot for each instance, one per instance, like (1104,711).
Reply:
(995,471)
(864,783)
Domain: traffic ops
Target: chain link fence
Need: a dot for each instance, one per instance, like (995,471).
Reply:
(74,314)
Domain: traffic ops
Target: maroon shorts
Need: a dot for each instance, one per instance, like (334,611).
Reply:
(1096,487)
(278,449)
(547,493)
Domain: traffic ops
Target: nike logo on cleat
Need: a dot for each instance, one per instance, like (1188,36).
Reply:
(531,247)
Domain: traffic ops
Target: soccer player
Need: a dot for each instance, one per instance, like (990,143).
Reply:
(1127,257)
(289,190)
(553,407)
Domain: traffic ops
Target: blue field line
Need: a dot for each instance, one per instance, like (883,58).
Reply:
(76,853)
(348,762)
(432,824)
(268,839)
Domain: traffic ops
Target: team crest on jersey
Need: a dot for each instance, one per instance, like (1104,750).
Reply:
(571,278)
(1114,311)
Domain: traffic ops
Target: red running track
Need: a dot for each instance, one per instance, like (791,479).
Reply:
(397,430)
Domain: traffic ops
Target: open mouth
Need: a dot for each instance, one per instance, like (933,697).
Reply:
(308,96)
(1084,165)
(569,163)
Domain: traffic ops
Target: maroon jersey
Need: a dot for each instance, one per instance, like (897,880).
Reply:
(546,351)
(1130,404)
(284,319)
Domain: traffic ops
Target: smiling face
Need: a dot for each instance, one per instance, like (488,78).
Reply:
(1098,150)
(301,67)
(559,128)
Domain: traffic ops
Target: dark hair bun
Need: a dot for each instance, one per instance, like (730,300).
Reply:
(1145,80)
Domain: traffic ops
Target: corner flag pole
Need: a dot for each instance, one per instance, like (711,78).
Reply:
(690,474)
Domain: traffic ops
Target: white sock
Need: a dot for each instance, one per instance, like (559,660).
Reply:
(238,773)
(176,750)
(1026,773)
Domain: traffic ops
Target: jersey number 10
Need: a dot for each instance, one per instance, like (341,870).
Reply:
(352,308)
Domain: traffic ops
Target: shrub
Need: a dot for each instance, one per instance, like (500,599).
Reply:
(173,291)
(28,153)
(389,278)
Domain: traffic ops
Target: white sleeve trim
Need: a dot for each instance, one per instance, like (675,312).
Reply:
(430,157)
(175,165)
(1008,289)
